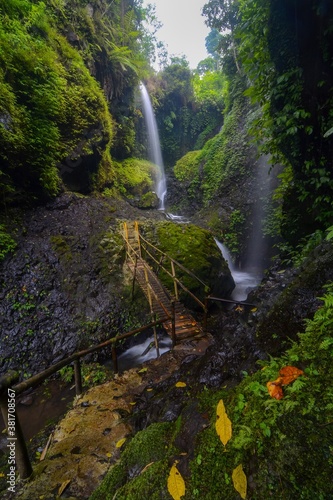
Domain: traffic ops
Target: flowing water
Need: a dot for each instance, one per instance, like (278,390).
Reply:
(142,352)
(155,154)
(245,281)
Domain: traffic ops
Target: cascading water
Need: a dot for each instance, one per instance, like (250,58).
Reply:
(155,154)
(265,183)
(250,276)
(245,281)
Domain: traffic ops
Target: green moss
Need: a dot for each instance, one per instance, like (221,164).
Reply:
(61,247)
(54,112)
(151,448)
(284,445)
(148,200)
(7,243)
(135,177)
(196,250)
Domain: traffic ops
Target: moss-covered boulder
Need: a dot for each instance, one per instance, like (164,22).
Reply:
(148,200)
(195,249)
(135,179)
(294,300)
(143,465)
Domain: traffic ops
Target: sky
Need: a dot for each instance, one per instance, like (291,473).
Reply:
(184,30)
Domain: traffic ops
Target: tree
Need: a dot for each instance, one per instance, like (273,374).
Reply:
(223,16)
(286,50)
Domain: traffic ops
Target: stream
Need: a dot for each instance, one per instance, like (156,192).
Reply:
(142,352)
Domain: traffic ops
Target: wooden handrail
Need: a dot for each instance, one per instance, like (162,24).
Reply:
(178,282)
(173,263)
(147,268)
(40,377)
(7,381)
(218,299)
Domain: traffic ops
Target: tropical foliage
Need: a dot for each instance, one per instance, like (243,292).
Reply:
(289,83)
(51,108)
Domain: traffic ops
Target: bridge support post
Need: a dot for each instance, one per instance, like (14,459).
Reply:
(173,324)
(114,359)
(77,377)
(134,276)
(155,338)
(174,279)
(205,315)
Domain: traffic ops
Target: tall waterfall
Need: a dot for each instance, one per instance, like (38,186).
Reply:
(256,259)
(155,154)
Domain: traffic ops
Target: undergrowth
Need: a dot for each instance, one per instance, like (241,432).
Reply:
(285,446)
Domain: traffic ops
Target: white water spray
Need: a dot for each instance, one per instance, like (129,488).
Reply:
(155,154)
(245,281)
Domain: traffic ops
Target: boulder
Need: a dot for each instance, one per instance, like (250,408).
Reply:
(195,249)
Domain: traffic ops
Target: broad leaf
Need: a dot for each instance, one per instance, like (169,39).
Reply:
(289,374)
(275,389)
(223,423)
(176,484)
(239,480)
(120,442)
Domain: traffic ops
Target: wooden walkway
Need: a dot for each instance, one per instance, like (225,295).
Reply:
(161,300)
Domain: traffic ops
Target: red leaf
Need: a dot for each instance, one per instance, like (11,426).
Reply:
(275,389)
(289,374)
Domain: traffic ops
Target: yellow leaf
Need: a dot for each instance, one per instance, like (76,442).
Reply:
(254,309)
(239,480)
(109,455)
(143,370)
(180,384)
(176,484)
(120,443)
(132,403)
(2,474)
(223,423)
(63,487)
(149,389)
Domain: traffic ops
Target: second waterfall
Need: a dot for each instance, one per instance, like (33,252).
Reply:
(155,154)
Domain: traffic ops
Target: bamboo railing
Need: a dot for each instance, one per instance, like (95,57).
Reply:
(145,248)
(9,385)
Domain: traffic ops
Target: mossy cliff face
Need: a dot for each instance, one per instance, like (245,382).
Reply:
(196,250)
(64,289)
(217,186)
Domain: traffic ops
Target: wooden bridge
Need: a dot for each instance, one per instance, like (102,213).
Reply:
(179,323)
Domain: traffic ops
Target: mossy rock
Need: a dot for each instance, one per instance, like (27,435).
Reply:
(148,200)
(297,302)
(135,178)
(195,249)
(142,465)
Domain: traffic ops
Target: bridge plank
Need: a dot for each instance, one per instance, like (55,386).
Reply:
(186,327)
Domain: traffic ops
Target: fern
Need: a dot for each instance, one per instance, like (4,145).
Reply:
(326,343)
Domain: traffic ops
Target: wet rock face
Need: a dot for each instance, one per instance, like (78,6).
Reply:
(288,297)
(63,287)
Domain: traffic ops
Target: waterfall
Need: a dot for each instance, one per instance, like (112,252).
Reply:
(266,182)
(155,154)
(245,281)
